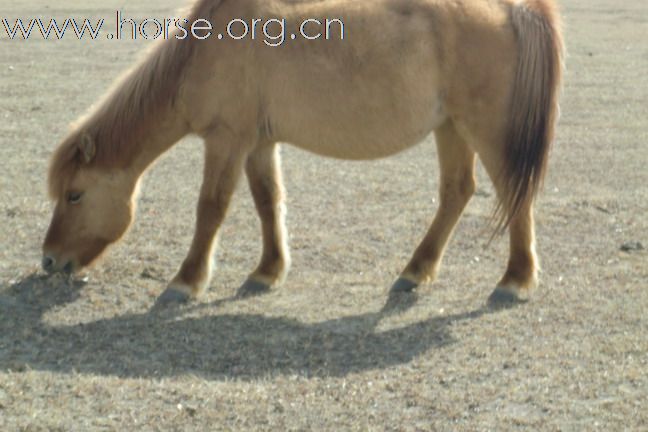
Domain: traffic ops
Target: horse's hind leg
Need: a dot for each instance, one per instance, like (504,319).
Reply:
(224,159)
(457,164)
(263,171)
(521,271)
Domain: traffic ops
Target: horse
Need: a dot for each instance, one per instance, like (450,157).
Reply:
(483,76)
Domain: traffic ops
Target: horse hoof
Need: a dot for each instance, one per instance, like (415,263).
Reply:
(504,296)
(403,285)
(172,296)
(251,288)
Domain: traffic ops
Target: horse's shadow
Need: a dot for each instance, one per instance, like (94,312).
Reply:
(170,342)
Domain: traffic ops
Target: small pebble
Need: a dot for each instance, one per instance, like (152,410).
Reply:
(632,247)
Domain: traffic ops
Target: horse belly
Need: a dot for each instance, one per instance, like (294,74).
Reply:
(346,128)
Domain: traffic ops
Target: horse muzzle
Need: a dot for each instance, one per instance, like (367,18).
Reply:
(51,265)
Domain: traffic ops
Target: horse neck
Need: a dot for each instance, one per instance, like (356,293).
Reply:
(138,121)
(162,134)
(154,137)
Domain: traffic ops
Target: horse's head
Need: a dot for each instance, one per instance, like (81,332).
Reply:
(94,206)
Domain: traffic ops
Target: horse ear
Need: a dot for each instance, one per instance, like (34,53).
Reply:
(87,148)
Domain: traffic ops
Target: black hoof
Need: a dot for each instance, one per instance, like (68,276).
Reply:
(172,296)
(251,288)
(403,285)
(503,297)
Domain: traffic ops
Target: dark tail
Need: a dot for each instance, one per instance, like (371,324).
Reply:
(534,106)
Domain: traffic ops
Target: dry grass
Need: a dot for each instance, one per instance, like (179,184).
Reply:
(328,351)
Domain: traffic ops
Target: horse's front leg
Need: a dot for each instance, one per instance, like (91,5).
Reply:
(224,160)
(263,169)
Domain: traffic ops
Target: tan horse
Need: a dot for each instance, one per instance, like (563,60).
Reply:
(483,75)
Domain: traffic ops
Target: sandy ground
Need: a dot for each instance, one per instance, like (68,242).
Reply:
(321,353)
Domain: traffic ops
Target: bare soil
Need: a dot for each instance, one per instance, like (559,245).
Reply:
(323,352)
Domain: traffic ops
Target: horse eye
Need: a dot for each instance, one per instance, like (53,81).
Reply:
(74,197)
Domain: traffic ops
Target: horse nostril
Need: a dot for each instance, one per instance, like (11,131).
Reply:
(68,268)
(48,263)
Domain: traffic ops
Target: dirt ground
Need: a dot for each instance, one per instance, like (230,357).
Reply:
(321,353)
